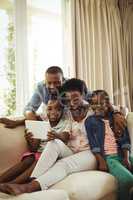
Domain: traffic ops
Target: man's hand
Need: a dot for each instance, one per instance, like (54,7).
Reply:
(9,123)
(119,123)
(33,143)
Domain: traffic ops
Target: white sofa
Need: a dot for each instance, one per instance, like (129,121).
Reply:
(89,185)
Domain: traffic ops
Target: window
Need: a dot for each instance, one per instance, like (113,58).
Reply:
(44,36)
(7,59)
(31,38)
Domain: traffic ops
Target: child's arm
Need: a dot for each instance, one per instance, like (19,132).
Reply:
(102,165)
(126,161)
(33,143)
(64,136)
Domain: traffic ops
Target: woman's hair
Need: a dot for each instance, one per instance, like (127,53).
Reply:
(75,84)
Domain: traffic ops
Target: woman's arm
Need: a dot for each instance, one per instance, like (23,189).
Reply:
(64,136)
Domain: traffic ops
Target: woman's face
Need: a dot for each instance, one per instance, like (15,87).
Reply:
(75,99)
(54,110)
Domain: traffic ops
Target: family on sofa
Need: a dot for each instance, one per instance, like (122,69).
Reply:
(79,129)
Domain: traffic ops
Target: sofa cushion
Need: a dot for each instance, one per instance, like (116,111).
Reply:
(90,185)
(41,195)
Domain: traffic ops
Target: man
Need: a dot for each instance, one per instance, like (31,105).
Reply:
(53,80)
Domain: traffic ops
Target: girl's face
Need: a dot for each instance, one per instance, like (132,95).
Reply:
(100,105)
(54,110)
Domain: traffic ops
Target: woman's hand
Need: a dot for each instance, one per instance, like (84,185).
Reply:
(64,136)
(52,136)
(33,143)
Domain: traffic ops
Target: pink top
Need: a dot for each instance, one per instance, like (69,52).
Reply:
(110,145)
(78,136)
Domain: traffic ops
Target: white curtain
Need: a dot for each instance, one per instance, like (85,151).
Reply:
(128,43)
(22,70)
(95,33)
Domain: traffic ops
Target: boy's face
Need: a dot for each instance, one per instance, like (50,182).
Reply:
(100,104)
(54,110)
(75,99)
(53,81)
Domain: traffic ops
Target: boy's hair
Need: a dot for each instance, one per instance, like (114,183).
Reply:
(54,70)
(75,84)
(102,93)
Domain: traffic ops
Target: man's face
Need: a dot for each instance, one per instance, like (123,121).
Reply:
(53,81)
(75,99)
(54,110)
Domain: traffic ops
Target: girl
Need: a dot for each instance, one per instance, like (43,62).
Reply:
(110,148)
(59,128)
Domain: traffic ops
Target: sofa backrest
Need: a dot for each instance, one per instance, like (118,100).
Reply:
(13,144)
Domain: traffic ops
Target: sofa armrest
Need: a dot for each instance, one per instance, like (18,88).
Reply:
(130,128)
(12,146)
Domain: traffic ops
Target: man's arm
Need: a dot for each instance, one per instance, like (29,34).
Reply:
(9,123)
(29,111)
(32,106)
(40,95)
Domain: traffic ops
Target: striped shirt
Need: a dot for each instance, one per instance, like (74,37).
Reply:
(110,145)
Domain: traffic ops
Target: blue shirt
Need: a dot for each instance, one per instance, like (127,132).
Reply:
(40,95)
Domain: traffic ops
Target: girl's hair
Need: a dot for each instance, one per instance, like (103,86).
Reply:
(55,97)
(75,84)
